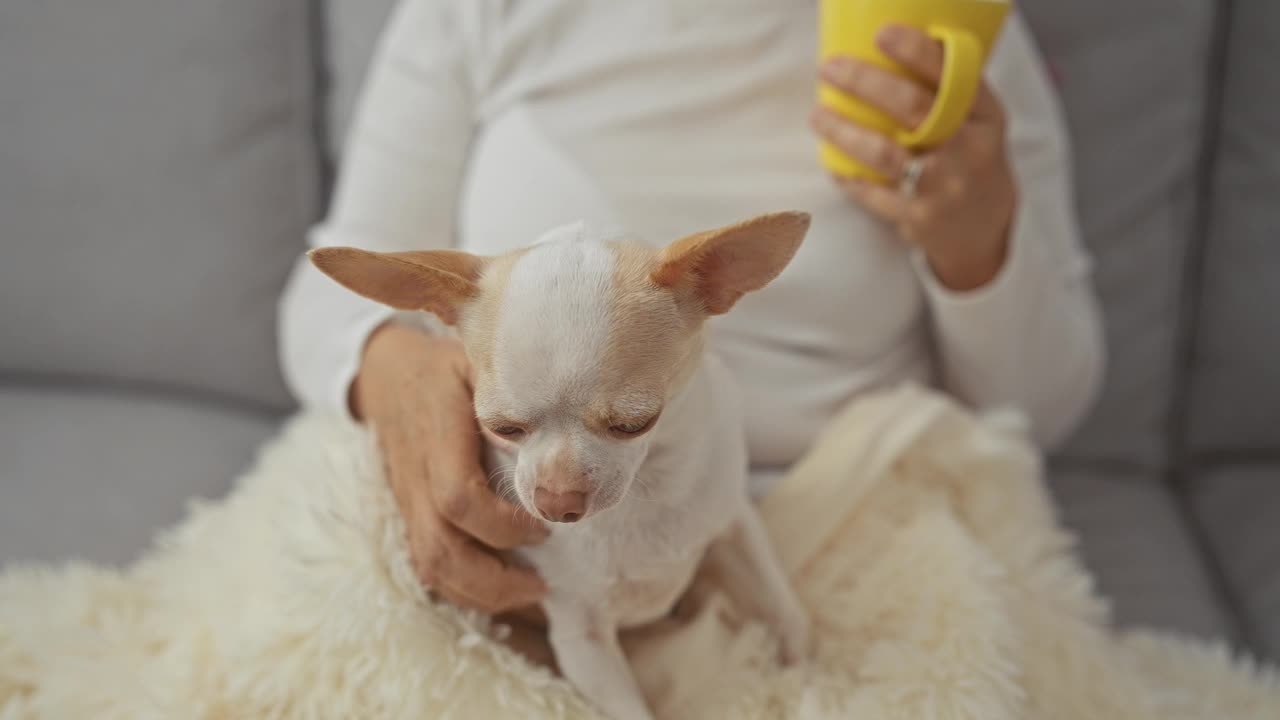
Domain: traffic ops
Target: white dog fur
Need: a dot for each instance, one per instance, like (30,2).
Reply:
(607,418)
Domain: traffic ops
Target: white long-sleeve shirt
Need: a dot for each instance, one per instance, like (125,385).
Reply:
(483,124)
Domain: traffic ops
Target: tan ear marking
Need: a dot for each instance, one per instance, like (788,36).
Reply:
(720,266)
(436,281)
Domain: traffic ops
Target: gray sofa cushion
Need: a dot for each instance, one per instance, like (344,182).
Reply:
(92,475)
(1238,509)
(1133,78)
(158,178)
(1134,538)
(1235,373)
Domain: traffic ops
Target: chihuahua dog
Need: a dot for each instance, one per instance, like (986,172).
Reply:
(601,408)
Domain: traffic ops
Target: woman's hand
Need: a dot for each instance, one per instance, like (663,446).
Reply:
(963,205)
(415,391)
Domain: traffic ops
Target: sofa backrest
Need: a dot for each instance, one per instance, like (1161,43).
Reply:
(160,167)
(157,174)
(1227,437)
(1177,139)
(1232,398)
(1135,80)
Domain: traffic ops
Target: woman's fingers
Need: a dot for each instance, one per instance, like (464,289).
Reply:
(448,444)
(868,146)
(915,50)
(885,203)
(903,99)
(532,615)
(470,575)
(462,496)
(413,390)
(474,509)
(907,100)
(924,57)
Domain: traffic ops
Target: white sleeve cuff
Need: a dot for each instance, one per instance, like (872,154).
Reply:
(349,346)
(1028,339)
(323,330)
(997,308)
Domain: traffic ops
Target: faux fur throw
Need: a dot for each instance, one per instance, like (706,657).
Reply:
(919,536)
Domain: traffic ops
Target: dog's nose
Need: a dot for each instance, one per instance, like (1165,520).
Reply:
(563,507)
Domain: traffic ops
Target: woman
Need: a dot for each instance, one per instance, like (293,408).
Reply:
(485,123)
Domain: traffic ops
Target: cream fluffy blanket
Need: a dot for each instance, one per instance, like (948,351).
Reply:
(919,536)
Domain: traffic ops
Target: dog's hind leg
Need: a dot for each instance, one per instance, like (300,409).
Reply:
(744,559)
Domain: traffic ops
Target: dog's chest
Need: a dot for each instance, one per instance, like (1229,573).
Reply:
(634,570)
(638,597)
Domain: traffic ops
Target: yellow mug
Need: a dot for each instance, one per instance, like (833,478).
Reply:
(967,30)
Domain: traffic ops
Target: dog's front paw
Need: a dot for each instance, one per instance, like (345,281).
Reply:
(796,634)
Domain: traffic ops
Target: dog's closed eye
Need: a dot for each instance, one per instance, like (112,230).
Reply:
(627,429)
(505,429)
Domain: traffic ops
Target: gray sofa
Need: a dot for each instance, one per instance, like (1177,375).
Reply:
(161,161)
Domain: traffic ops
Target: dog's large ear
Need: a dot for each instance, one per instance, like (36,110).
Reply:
(718,267)
(437,281)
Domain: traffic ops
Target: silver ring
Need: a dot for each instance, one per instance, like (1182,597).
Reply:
(911,174)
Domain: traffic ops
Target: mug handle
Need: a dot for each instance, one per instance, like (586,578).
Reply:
(961,76)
